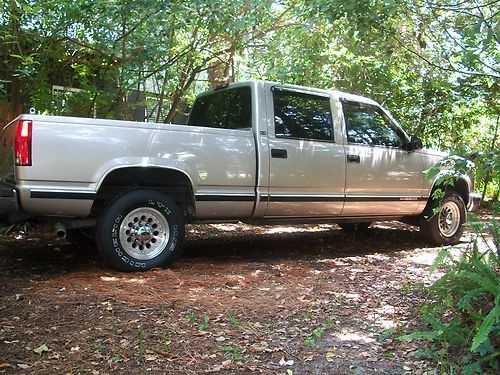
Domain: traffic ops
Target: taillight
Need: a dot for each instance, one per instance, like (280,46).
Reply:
(22,143)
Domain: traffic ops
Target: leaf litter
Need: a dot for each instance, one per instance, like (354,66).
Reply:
(279,300)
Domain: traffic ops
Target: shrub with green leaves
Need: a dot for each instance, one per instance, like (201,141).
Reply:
(464,317)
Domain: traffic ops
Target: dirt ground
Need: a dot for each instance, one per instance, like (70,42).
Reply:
(275,300)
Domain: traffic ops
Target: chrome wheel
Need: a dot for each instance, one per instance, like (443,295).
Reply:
(144,233)
(449,219)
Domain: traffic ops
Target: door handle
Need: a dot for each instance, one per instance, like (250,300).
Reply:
(353,159)
(278,153)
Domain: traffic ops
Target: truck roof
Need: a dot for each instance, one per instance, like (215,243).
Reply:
(312,90)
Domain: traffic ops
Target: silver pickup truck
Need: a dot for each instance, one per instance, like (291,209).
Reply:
(258,152)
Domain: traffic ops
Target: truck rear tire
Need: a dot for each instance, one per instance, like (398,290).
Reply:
(140,230)
(446,226)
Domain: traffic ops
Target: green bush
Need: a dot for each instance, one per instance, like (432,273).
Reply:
(464,317)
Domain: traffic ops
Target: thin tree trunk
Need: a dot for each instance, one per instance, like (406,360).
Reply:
(487,179)
(16,100)
(162,97)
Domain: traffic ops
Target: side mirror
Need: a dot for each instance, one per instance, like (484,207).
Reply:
(415,143)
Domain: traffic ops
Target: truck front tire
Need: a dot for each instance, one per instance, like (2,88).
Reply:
(445,227)
(139,231)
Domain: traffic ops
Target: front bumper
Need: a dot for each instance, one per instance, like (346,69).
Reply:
(474,201)
(8,201)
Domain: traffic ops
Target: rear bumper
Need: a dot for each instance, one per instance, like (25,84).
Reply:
(474,201)
(8,201)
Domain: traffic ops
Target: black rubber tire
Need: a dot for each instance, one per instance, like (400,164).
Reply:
(354,227)
(111,220)
(429,221)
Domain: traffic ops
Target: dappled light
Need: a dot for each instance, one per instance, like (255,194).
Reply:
(289,229)
(355,336)
(132,280)
(314,293)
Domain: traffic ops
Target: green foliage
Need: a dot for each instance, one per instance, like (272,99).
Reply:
(314,339)
(465,315)
(447,170)
(488,172)
(433,64)
(232,352)
(203,326)
(191,318)
(233,320)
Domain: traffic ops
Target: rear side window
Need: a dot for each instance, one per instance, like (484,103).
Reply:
(304,116)
(225,109)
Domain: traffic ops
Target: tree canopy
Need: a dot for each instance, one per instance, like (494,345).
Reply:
(434,64)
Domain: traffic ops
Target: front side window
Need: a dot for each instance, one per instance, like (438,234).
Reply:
(368,125)
(304,116)
(225,109)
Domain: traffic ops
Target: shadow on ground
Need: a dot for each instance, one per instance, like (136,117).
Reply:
(222,243)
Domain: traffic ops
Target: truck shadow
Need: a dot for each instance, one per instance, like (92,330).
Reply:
(302,244)
(40,257)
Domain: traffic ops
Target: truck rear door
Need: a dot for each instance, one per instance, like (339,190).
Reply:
(307,160)
(223,153)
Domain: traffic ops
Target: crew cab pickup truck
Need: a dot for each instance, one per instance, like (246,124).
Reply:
(258,152)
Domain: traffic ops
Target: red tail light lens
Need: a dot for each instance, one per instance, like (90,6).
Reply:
(22,143)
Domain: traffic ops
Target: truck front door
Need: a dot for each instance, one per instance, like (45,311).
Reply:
(382,176)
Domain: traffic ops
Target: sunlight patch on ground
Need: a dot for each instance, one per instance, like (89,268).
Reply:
(354,336)
(256,273)
(382,226)
(425,258)
(288,229)
(337,262)
(385,323)
(381,316)
(123,280)
(378,256)
(393,225)
(226,227)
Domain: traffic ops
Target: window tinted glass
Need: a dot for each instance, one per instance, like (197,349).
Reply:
(227,109)
(367,125)
(298,115)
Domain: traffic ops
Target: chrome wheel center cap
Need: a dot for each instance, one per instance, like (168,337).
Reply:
(144,234)
(449,219)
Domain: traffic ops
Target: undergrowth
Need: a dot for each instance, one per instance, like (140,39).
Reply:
(463,319)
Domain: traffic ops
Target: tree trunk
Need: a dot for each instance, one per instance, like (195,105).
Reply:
(15,92)
(487,178)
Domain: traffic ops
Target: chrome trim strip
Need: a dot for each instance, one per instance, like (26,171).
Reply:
(44,194)
(285,198)
(224,198)
(313,198)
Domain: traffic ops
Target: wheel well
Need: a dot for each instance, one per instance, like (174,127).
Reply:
(172,183)
(459,185)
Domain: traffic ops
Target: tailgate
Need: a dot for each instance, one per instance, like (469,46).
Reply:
(7,135)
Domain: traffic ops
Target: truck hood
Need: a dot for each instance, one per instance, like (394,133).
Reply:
(435,153)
